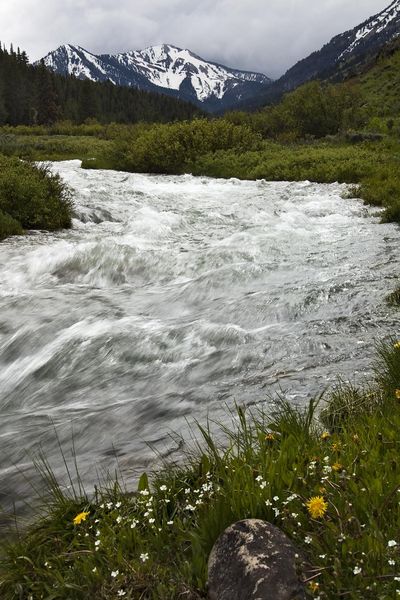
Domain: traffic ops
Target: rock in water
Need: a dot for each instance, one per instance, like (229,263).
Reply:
(254,560)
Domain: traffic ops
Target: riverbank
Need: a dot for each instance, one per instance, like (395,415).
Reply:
(154,542)
(369,161)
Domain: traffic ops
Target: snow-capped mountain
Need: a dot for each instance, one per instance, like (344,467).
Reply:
(337,57)
(165,69)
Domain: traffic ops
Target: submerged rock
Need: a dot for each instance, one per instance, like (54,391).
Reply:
(254,560)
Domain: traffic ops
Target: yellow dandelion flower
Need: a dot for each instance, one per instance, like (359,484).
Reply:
(337,467)
(314,586)
(397,394)
(317,507)
(80,517)
(336,447)
(397,346)
(270,437)
(325,435)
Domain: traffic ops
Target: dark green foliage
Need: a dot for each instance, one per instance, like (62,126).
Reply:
(32,196)
(36,96)
(8,226)
(174,148)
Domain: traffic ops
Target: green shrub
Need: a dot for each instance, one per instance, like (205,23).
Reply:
(8,226)
(173,148)
(33,196)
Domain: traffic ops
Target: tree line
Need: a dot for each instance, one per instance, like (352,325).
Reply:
(34,95)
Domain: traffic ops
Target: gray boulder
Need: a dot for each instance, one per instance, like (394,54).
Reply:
(254,560)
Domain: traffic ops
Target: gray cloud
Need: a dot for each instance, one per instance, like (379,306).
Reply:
(268,36)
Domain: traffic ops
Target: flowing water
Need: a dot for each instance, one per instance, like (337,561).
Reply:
(173,297)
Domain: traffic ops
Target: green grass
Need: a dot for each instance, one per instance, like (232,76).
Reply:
(154,541)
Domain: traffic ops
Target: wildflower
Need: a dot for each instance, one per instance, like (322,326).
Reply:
(144,492)
(94,570)
(118,519)
(151,521)
(392,543)
(114,574)
(314,586)
(397,394)
(397,346)
(276,511)
(268,503)
(337,467)
(356,438)
(134,523)
(357,570)
(391,562)
(163,488)
(97,543)
(170,522)
(308,539)
(325,435)
(336,447)
(80,517)
(270,437)
(118,505)
(121,593)
(317,507)
(144,556)
(322,490)
(275,498)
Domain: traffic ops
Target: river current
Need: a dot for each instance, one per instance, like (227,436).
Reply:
(171,299)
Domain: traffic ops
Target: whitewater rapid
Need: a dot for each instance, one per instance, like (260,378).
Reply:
(171,299)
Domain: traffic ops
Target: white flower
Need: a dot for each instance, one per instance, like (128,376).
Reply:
(322,556)
(263,485)
(118,519)
(396,578)
(357,570)
(391,562)
(114,573)
(144,492)
(392,543)
(308,539)
(163,488)
(190,507)
(97,543)
(151,521)
(275,498)
(144,557)
(94,570)
(170,522)
(295,515)
(276,511)
(118,505)
(121,593)
(268,503)
(134,523)
(109,505)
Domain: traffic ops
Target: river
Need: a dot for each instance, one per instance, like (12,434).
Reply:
(171,299)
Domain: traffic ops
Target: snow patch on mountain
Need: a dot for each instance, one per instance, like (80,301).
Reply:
(373,26)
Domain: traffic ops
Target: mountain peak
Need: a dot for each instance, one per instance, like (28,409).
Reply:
(165,68)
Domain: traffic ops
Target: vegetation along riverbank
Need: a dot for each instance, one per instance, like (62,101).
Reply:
(329,480)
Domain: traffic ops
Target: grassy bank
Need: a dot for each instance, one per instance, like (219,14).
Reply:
(331,483)
(31,197)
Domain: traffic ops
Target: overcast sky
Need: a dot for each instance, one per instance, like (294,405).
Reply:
(263,35)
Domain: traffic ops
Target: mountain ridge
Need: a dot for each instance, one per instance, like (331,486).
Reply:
(165,68)
(333,59)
